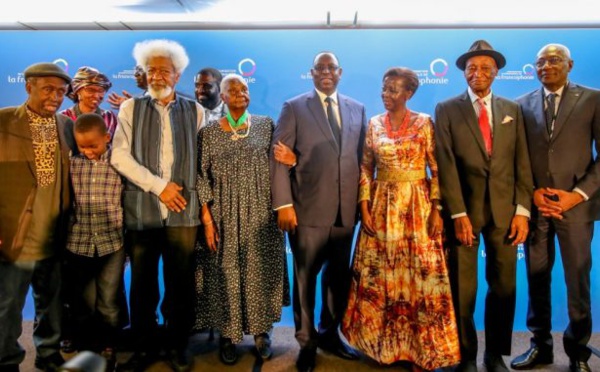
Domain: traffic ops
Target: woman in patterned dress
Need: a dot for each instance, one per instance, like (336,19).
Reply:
(242,279)
(400,304)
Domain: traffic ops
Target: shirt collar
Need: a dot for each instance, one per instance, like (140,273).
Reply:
(322,96)
(474,97)
(558,92)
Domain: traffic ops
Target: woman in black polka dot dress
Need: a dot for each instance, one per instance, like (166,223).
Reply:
(242,277)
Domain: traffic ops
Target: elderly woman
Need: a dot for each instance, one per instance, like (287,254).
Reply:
(87,91)
(400,304)
(242,277)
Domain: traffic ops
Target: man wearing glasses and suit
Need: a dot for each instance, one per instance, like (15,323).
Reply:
(562,120)
(316,202)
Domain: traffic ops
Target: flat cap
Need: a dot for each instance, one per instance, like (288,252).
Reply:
(46,69)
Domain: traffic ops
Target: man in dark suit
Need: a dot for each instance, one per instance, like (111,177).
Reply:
(486,184)
(316,202)
(562,121)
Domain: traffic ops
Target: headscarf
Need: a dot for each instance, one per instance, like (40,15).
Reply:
(84,77)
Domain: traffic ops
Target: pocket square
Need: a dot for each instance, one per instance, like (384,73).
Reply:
(507,119)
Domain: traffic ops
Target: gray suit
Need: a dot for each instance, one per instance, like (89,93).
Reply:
(564,161)
(323,188)
(488,189)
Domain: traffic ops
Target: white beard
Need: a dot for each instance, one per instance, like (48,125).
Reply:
(159,93)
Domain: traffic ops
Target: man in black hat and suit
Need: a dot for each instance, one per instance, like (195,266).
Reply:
(486,183)
(562,120)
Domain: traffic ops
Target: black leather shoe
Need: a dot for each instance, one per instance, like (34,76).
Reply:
(531,358)
(50,363)
(338,348)
(576,365)
(9,368)
(467,366)
(306,360)
(494,362)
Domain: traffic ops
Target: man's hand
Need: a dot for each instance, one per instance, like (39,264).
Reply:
(284,154)
(286,219)
(115,100)
(566,199)
(519,228)
(211,235)
(365,218)
(546,206)
(171,197)
(464,231)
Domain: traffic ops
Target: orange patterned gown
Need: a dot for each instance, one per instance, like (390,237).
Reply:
(400,303)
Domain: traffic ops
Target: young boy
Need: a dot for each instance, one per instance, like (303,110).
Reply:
(95,254)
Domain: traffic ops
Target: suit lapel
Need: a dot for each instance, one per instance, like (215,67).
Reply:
(470,116)
(570,97)
(345,119)
(316,108)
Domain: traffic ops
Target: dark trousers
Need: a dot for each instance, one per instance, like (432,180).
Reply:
(15,279)
(316,248)
(176,247)
(574,240)
(500,274)
(95,286)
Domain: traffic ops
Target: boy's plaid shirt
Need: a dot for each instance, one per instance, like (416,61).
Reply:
(96,227)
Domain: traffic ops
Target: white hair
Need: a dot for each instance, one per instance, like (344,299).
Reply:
(144,50)
(563,48)
(230,77)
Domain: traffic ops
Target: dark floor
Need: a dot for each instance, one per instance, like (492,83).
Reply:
(285,349)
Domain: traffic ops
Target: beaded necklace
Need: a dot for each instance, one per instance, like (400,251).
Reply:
(236,136)
(393,134)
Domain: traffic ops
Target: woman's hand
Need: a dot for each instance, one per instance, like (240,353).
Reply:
(435,224)
(284,154)
(211,235)
(365,218)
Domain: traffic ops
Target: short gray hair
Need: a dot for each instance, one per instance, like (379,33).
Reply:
(144,50)
(229,78)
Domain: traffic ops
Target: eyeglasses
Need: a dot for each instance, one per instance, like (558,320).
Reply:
(323,68)
(552,61)
(163,73)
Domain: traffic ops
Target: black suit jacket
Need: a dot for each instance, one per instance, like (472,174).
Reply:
(566,160)
(468,174)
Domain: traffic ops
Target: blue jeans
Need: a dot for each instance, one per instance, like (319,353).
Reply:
(15,279)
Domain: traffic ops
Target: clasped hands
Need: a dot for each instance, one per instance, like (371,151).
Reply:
(554,202)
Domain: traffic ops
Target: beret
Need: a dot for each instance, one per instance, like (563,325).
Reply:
(46,69)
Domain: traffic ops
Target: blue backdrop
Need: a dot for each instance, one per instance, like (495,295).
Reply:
(277,66)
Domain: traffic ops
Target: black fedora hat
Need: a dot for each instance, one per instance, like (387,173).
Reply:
(481,48)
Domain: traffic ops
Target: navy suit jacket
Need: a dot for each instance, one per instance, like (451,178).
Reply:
(566,161)
(326,175)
